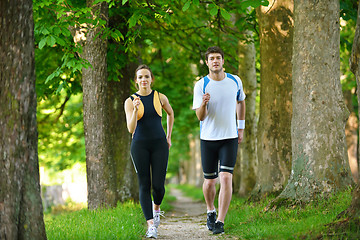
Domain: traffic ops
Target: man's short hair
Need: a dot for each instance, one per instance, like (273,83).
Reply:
(214,49)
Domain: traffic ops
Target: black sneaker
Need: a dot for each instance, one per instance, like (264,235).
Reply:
(218,228)
(211,217)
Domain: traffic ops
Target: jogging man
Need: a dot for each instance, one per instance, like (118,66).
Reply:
(219,101)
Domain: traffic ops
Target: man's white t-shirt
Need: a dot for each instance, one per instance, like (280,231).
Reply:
(220,123)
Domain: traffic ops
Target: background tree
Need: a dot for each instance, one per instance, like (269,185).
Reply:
(318,142)
(21,212)
(274,135)
(246,165)
(99,164)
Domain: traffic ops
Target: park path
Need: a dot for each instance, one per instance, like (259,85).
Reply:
(187,220)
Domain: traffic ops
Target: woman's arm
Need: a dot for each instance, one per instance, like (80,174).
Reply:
(170,116)
(131,108)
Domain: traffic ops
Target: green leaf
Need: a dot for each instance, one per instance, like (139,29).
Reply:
(214,11)
(225,14)
(45,31)
(60,41)
(52,41)
(56,30)
(116,34)
(133,20)
(196,2)
(265,3)
(61,86)
(66,32)
(186,6)
(42,43)
(124,1)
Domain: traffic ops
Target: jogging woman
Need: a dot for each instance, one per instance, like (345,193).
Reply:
(149,146)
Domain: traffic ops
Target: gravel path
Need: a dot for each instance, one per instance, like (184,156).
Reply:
(187,220)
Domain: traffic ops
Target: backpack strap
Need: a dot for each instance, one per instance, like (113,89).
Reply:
(237,84)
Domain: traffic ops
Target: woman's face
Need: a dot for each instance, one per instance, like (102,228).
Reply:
(143,78)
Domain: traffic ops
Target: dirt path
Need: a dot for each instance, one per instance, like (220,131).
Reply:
(186,221)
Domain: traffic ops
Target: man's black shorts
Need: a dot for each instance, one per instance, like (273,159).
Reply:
(212,152)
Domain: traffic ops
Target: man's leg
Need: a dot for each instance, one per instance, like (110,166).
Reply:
(209,191)
(225,195)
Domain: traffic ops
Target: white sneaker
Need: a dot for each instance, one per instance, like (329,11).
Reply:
(156,216)
(151,232)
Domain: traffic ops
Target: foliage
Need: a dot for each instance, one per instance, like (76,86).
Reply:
(163,34)
(57,59)
(58,79)
(61,135)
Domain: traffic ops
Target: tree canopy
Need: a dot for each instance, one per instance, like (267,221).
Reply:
(169,36)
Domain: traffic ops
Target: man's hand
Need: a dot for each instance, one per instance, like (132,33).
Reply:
(206,98)
(240,135)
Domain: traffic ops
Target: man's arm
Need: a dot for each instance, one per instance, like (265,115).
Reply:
(201,112)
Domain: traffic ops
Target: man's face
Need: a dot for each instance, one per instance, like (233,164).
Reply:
(215,62)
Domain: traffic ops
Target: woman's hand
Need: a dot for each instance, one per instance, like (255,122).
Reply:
(136,103)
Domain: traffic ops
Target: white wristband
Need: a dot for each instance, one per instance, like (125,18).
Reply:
(241,124)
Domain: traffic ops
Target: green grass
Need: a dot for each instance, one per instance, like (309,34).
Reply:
(246,220)
(251,221)
(123,222)
(75,221)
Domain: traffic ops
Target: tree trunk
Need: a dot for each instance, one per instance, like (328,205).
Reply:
(274,129)
(193,173)
(125,179)
(99,164)
(121,69)
(320,164)
(246,163)
(21,211)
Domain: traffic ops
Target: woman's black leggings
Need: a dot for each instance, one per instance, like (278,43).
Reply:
(150,158)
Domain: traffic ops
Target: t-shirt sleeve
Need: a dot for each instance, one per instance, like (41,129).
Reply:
(197,100)
(241,95)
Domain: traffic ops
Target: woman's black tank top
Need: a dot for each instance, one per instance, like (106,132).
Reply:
(149,121)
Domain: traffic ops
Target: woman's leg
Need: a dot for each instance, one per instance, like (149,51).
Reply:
(159,162)
(141,159)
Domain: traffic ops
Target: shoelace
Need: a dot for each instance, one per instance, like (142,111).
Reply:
(161,213)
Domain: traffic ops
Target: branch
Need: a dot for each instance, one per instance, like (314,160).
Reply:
(62,107)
